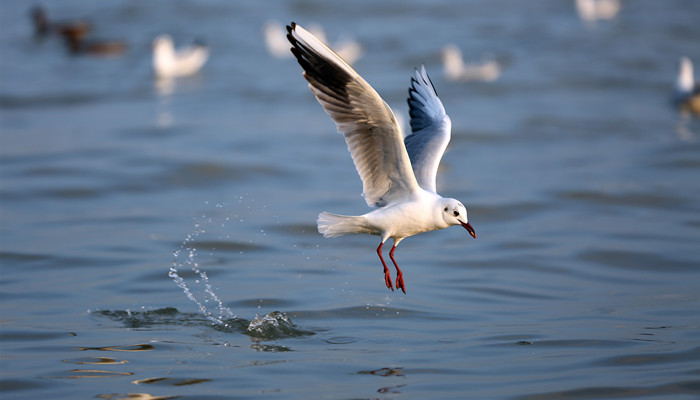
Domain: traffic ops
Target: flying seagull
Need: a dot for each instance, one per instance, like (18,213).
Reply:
(398,175)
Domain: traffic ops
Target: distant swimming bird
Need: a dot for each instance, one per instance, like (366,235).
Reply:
(348,49)
(456,70)
(168,62)
(78,44)
(596,10)
(75,34)
(398,175)
(687,91)
(42,25)
(275,42)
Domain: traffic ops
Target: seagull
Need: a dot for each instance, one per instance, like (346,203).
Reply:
(349,50)
(275,42)
(398,175)
(171,63)
(595,10)
(687,91)
(456,70)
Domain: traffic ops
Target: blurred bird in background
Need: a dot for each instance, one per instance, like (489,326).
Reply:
(686,95)
(169,62)
(456,69)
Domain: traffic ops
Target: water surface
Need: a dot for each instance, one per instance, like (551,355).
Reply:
(580,179)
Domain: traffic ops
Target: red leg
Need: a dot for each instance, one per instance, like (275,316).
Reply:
(399,274)
(387,277)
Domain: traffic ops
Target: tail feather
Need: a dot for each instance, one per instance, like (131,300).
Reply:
(332,225)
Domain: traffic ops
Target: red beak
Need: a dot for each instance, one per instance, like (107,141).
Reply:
(469,228)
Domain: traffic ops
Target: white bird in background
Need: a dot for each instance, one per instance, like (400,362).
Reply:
(596,10)
(398,175)
(456,70)
(171,63)
(348,49)
(277,45)
(687,91)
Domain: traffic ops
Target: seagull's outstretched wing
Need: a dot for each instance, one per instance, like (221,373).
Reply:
(193,56)
(430,128)
(371,132)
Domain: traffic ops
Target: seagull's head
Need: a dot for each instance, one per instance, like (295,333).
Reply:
(454,213)
(162,43)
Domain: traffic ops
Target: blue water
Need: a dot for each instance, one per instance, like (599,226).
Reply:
(580,178)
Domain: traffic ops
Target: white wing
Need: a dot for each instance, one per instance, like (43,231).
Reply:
(430,128)
(190,59)
(368,124)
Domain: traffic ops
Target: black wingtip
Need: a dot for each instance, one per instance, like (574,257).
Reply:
(290,36)
(319,71)
(419,72)
(416,102)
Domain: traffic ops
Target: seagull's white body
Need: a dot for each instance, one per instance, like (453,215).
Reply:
(171,63)
(596,10)
(685,82)
(456,70)
(687,92)
(398,175)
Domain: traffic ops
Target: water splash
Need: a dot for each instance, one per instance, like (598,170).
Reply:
(222,313)
(272,326)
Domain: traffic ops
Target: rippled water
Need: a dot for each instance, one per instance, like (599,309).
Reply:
(580,179)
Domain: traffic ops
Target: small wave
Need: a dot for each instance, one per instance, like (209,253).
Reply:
(625,199)
(57,100)
(272,326)
(620,392)
(638,260)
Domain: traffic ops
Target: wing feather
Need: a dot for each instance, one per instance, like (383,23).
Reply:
(430,128)
(370,129)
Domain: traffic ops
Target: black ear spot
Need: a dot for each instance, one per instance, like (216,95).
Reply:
(445,209)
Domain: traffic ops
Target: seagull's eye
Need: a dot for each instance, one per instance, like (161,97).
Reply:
(456,213)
